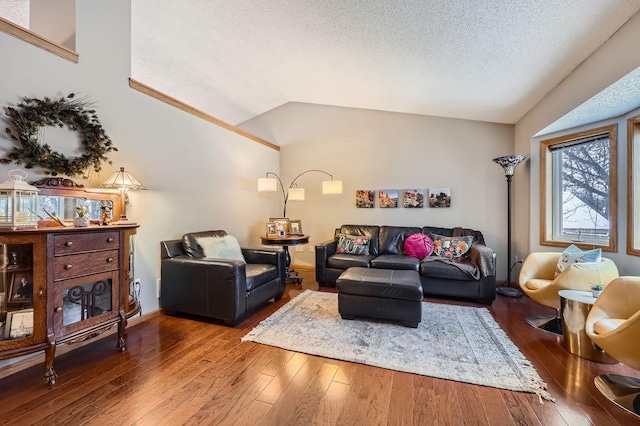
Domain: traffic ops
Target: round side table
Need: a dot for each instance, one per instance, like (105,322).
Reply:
(285,242)
(574,309)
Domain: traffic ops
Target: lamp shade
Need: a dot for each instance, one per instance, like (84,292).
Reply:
(267,185)
(509,163)
(296,194)
(332,187)
(122,180)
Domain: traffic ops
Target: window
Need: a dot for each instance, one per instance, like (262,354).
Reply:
(633,186)
(578,178)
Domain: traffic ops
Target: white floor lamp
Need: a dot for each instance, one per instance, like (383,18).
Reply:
(509,163)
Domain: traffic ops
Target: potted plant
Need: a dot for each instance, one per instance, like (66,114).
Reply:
(82,217)
(596,290)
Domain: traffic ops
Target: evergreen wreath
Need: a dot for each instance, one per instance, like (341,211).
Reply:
(26,120)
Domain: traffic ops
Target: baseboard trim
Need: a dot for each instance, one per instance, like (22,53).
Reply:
(38,357)
(303,268)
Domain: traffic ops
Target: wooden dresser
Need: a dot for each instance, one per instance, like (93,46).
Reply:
(80,288)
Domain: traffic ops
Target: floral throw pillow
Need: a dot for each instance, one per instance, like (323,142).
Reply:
(573,254)
(451,247)
(353,244)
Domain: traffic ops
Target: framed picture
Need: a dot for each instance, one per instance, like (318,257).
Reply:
(21,288)
(295,227)
(439,197)
(282,225)
(413,198)
(388,198)
(365,198)
(19,324)
(272,230)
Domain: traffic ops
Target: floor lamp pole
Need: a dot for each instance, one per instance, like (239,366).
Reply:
(507,290)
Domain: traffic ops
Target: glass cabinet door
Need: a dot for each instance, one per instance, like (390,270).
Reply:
(16,291)
(83,302)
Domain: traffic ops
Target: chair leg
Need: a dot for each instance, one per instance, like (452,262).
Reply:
(623,391)
(549,323)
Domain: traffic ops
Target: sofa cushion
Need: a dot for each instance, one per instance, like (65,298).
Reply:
(190,244)
(392,238)
(259,274)
(436,269)
(450,247)
(226,247)
(345,261)
(370,231)
(353,244)
(395,261)
(418,246)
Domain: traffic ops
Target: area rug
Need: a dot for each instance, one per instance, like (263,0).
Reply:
(452,342)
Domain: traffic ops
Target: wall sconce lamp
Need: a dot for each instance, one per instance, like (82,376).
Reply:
(509,163)
(124,181)
(270,184)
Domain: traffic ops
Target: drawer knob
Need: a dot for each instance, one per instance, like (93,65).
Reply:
(68,243)
(109,259)
(59,309)
(68,266)
(110,239)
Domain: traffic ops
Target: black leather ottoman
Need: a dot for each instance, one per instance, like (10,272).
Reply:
(380,293)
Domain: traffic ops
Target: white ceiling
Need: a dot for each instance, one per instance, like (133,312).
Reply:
(489,60)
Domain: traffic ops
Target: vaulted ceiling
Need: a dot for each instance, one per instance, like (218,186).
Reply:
(489,60)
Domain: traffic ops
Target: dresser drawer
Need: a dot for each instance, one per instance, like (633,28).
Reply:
(78,243)
(74,265)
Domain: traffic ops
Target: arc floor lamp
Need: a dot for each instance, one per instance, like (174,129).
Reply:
(509,163)
(270,184)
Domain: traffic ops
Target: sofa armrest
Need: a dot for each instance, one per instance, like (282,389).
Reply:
(483,258)
(269,256)
(323,251)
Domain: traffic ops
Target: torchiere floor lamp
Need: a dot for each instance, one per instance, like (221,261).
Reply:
(509,163)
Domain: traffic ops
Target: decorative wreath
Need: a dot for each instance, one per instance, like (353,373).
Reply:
(26,119)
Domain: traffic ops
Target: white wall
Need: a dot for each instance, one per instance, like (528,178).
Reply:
(379,150)
(614,59)
(199,176)
(54,20)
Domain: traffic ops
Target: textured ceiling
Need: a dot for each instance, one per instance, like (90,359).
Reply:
(489,60)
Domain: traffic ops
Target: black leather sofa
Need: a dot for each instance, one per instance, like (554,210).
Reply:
(439,277)
(229,290)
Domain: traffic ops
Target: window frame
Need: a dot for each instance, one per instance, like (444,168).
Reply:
(633,184)
(546,187)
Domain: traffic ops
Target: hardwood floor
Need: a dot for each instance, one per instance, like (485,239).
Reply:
(183,370)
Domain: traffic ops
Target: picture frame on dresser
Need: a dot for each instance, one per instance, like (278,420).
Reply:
(19,292)
(19,324)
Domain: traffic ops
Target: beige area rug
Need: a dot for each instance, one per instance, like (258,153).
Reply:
(452,342)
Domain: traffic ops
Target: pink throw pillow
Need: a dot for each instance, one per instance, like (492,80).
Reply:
(418,245)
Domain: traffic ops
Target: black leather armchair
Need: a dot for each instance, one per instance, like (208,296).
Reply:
(229,290)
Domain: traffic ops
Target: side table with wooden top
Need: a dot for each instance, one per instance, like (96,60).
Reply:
(285,242)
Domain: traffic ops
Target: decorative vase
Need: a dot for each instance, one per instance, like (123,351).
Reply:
(81,221)
(596,293)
